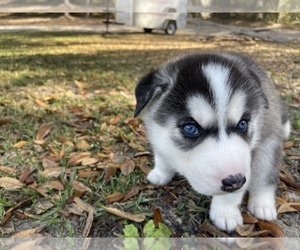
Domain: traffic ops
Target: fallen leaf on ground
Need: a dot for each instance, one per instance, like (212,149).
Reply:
(213,230)
(127,167)
(6,218)
(288,144)
(10,183)
(125,215)
(19,204)
(84,205)
(77,158)
(51,172)
(157,218)
(245,230)
(56,184)
(74,209)
(83,144)
(88,173)
(25,173)
(79,186)
(43,131)
(271,226)
(5,120)
(289,207)
(249,219)
(132,192)
(8,170)
(27,233)
(48,163)
(88,224)
(79,195)
(31,244)
(89,161)
(110,171)
(117,196)
(20,144)
(42,206)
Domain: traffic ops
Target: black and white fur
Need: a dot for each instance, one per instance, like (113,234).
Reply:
(217,120)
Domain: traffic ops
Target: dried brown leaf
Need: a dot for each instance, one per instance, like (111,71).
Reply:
(19,204)
(249,219)
(127,167)
(110,171)
(288,144)
(83,144)
(51,172)
(74,209)
(10,183)
(89,161)
(56,184)
(5,120)
(79,195)
(43,131)
(132,192)
(48,163)
(88,224)
(289,207)
(27,233)
(117,196)
(39,142)
(115,119)
(6,218)
(88,173)
(25,173)
(125,215)
(84,205)
(245,230)
(271,226)
(80,187)
(20,144)
(77,158)
(213,230)
(42,206)
(8,170)
(157,218)
(31,244)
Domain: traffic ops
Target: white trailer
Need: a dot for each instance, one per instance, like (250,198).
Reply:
(167,15)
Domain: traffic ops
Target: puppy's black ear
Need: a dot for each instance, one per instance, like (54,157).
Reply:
(149,87)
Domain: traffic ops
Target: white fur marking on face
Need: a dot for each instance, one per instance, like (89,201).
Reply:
(201,111)
(236,106)
(217,76)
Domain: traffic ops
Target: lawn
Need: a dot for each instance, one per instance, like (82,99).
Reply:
(73,159)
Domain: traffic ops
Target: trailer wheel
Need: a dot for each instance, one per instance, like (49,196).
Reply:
(171,28)
(146,30)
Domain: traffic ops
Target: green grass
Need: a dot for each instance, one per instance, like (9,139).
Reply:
(83,84)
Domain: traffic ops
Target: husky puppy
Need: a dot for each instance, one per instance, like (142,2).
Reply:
(217,120)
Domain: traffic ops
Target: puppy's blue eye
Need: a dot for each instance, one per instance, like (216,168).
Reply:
(190,130)
(242,125)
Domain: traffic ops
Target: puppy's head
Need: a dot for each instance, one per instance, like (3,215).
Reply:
(202,113)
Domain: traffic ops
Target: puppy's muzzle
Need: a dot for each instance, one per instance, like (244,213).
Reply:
(233,182)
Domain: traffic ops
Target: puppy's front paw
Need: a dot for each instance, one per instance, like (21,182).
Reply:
(158,177)
(226,218)
(262,209)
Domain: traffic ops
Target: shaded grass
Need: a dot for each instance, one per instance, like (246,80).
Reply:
(83,85)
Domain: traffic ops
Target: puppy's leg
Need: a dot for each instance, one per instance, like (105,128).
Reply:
(225,212)
(264,180)
(262,202)
(162,174)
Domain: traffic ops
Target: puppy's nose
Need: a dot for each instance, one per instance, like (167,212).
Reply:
(233,182)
